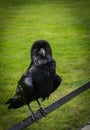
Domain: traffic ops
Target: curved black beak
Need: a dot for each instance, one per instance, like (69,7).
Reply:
(42,52)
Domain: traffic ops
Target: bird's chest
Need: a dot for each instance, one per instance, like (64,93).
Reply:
(43,82)
(44,75)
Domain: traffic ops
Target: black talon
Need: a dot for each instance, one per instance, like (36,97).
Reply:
(42,111)
(34,118)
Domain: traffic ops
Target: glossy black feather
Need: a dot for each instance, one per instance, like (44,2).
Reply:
(39,80)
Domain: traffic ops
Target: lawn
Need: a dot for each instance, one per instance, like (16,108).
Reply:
(65,24)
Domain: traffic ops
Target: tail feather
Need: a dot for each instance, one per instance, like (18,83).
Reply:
(14,103)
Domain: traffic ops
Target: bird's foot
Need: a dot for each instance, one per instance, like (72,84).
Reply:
(34,118)
(42,111)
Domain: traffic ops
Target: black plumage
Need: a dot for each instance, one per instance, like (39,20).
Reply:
(39,80)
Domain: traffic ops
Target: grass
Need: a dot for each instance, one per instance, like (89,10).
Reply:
(65,25)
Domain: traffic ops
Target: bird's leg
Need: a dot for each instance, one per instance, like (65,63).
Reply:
(42,111)
(39,103)
(33,117)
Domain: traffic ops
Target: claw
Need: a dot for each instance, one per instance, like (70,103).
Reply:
(42,111)
(34,118)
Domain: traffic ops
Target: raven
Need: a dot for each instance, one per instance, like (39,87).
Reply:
(39,80)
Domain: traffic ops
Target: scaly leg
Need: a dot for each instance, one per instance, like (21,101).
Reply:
(42,111)
(33,117)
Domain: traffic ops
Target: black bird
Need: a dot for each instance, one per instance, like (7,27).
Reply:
(39,80)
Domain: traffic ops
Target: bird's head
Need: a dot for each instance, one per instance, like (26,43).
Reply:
(41,48)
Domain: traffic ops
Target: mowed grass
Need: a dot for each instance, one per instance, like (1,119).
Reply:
(65,25)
